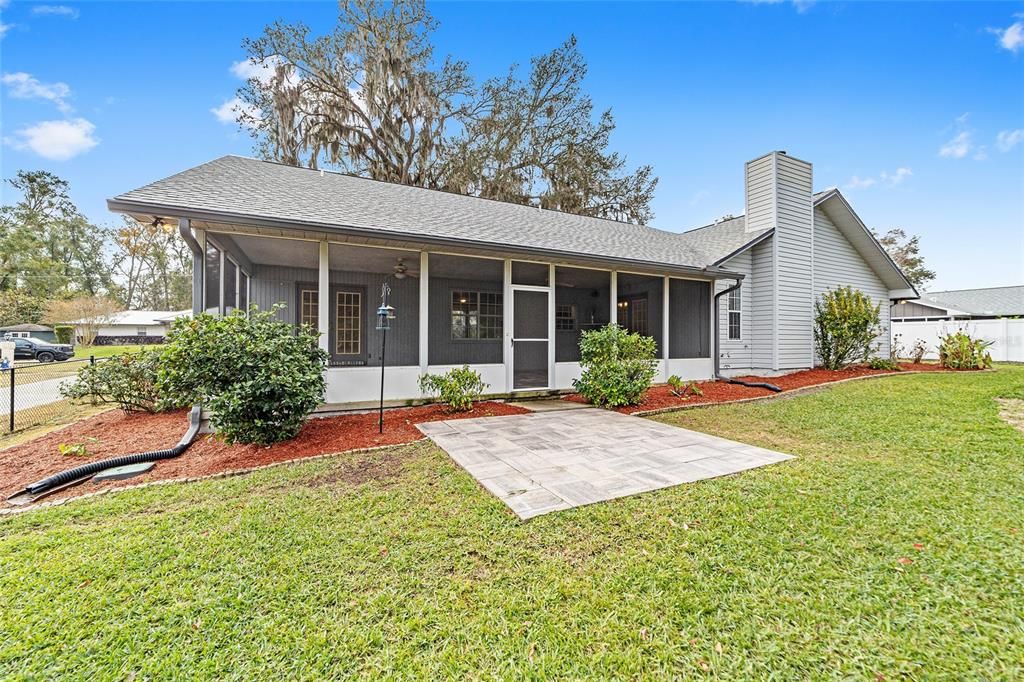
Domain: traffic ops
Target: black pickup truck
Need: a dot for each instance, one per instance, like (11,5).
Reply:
(43,351)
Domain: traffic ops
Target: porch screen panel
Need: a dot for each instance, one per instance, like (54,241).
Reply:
(689,319)
(582,299)
(639,305)
(243,291)
(211,282)
(466,310)
(230,285)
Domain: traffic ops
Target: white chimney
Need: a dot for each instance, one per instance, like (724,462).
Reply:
(779,194)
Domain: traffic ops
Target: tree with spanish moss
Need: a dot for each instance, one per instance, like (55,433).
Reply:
(369,98)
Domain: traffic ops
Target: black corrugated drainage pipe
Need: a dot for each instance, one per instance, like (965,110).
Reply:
(64,479)
(718,355)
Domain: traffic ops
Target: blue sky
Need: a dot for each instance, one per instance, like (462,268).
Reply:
(915,110)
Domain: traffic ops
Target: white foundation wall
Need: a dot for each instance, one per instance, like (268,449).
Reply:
(362,384)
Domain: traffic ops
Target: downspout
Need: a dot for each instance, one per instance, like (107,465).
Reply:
(718,338)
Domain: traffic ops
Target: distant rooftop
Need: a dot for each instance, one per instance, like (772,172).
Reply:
(987,301)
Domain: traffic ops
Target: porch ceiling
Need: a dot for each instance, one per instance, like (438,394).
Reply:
(305,254)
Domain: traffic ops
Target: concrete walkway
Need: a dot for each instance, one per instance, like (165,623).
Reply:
(548,461)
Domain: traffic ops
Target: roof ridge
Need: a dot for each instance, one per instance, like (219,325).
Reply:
(953,291)
(435,189)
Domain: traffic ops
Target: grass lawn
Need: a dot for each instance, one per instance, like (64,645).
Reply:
(893,545)
(107,351)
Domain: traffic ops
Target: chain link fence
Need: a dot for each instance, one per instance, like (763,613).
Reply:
(30,392)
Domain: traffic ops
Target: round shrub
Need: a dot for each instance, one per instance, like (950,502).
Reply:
(457,388)
(128,380)
(260,377)
(846,324)
(618,366)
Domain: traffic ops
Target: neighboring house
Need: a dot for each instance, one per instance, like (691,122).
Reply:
(962,304)
(506,288)
(24,331)
(133,326)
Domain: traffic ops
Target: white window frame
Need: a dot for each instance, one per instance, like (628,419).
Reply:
(734,307)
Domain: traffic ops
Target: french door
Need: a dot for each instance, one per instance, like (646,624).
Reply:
(530,339)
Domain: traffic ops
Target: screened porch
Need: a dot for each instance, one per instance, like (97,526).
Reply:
(517,322)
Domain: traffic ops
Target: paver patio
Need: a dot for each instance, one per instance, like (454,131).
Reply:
(548,461)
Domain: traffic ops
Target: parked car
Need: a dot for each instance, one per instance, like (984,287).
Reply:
(43,351)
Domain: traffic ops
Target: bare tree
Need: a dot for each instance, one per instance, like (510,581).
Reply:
(87,313)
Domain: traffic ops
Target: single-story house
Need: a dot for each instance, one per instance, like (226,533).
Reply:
(962,304)
(29,330)
(132,327)
(507,288)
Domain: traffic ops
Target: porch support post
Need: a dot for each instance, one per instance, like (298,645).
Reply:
(551,327)
(424,318)
(664,325)
(614,296)
(506,346)
(323,308)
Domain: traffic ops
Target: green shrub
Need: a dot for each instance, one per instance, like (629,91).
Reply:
(259,377)
(65,333)
(960,351)
(884,363)
(457,388)
(683,389)
(618,366)
(846,324)
(128,380)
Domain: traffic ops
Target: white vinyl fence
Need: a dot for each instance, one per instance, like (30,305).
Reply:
(1007,336)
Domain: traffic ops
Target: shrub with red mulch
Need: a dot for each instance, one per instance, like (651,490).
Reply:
(660,396)
(115,433)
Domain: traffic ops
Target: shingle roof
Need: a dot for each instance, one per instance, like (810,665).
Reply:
(259,190)
(720,240)
(990,301)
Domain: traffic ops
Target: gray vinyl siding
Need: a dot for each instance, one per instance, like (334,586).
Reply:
(761,292)
(793,255)
(837,263)
(272,284)
(911,309)
(760,196)
(736,354)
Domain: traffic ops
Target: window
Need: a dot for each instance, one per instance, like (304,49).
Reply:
(141,331)
(735,303)
(309,315)
(476,315)
(565,318)
(348,328)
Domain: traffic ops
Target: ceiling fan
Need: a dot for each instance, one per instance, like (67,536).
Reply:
(401,270)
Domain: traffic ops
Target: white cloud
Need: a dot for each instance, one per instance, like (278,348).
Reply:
(699,196)
(1012,37)
(23,85)
(228,111)
(801,6)
(56,11)
(958,147)
(262,71)
(1008,139)
(896,177)
(4,28)
(885,178)
(857,182)
(56,140)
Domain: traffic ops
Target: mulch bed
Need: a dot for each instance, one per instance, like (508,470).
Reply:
(115,433)
(660,396)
